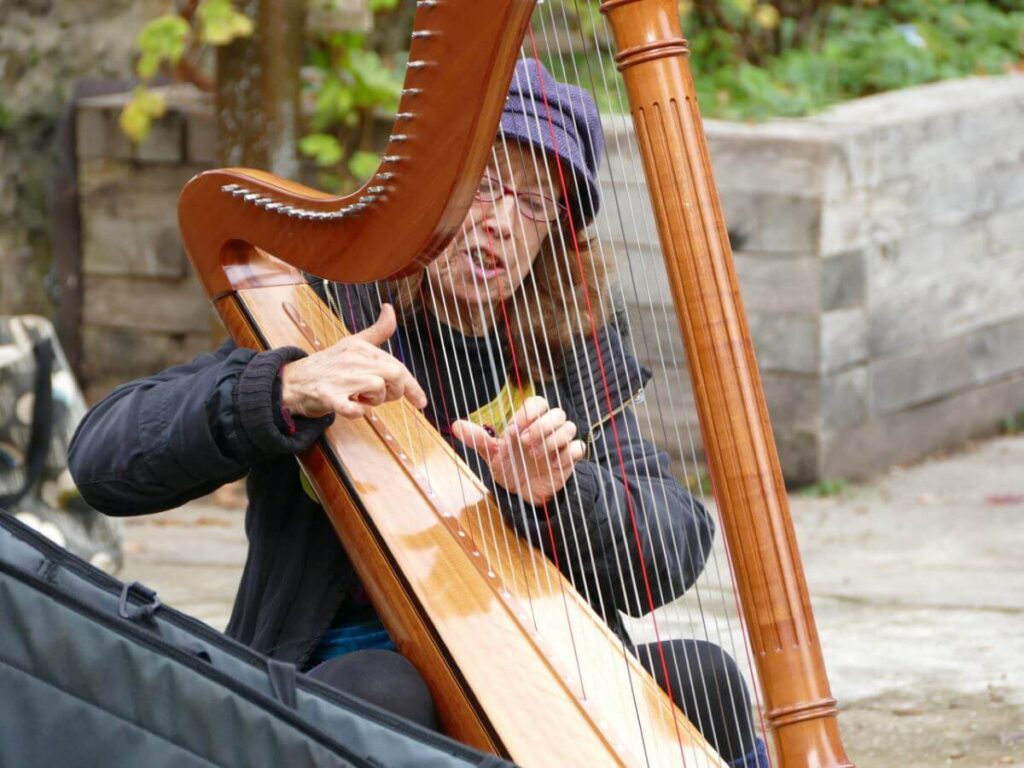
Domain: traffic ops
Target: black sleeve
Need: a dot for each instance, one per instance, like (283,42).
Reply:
(620,524)
(157,442)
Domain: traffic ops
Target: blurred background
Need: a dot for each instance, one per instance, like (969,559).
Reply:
(870,157)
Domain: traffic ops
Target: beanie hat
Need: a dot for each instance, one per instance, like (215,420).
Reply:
(573,134)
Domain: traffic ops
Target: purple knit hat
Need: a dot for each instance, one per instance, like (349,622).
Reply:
(577,140)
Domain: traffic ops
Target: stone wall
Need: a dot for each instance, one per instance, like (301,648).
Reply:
(880,249)
(45,46)
(143,309)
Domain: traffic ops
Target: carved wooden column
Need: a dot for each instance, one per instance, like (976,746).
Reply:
(744,465)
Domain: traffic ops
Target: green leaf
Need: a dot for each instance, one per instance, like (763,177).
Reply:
(161,40)
(138,114)
(322,147)
(220,23)
(362,165)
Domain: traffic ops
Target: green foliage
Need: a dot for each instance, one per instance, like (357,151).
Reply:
(862,50)
(756,59)
(164,43)
(161,41)
(349,84)
(323,148)
(220,23)
(1013,425)
(825,489)
(139,113)
(362,164)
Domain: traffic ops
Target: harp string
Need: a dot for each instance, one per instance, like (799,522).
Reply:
(592,325)
(505,534)
(501,534)
(672,608)
(648,594)
(544,350)
(608,313)
(671,329)
(581,333)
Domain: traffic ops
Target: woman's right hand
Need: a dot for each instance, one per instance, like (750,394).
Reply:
(351,376)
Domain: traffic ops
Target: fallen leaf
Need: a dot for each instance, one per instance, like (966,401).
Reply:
(1000,499)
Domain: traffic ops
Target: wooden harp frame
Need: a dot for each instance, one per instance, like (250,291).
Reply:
(250,236)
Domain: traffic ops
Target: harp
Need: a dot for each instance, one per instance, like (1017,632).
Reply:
(518,662)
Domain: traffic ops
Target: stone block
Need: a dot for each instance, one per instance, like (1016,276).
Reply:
(843,281)
(845,398)
(844,338)
(778,161)
(128,353)
(1006,228)
(942,369)
(147,304)
(871,447)
(165,142)
(98,135)
(774,223)
(900,382)
(956,194)
(862,216)
(794,400)
(785,342)
(654,334)
(668,414)
(904,133)
(201,140)
(787,284)
(967,290)
(799,455)
(129,218)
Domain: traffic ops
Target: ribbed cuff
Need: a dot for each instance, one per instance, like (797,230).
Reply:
(258,410)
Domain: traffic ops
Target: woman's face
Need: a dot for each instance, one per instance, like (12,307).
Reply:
(500,239)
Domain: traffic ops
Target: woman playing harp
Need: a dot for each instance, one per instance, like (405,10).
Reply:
(484,343)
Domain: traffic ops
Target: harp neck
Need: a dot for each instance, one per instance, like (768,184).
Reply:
(408,211)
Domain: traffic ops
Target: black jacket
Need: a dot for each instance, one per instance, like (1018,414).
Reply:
(157,442)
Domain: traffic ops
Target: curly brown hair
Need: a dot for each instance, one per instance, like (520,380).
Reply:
(545,304)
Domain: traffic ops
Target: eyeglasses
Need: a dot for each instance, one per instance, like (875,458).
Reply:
(532,205)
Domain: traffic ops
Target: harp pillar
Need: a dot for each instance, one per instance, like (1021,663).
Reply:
(743,463)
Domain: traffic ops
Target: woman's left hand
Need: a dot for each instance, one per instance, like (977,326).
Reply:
(535,455)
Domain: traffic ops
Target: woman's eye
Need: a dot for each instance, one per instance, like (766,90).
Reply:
(489,187)
(534,205)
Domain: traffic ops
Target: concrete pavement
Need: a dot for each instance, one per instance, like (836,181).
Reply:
(917,581)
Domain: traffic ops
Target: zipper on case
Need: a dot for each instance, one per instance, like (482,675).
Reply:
(222,642)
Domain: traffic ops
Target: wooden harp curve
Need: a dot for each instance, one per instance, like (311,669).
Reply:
(413,518)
